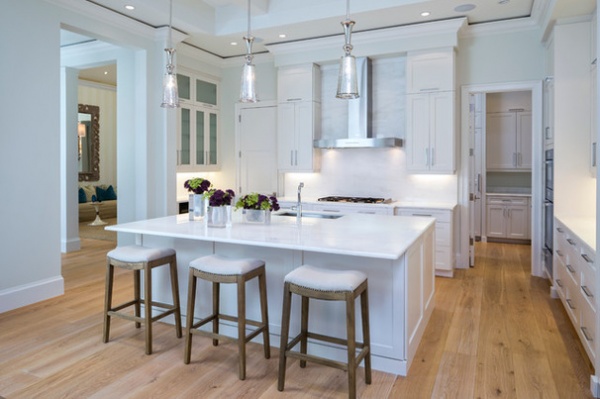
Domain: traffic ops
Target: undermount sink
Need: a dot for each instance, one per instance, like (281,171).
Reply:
(310,215)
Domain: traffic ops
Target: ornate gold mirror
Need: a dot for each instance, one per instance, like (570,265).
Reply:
(88,135)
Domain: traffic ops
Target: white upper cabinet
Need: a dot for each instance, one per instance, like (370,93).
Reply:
(508,141)
(197,124)
(298,117)
(299,83)
(430,144)
(428,71)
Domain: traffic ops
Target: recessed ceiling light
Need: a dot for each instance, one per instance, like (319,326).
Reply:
(130,8)
(282,36)
(233,43)
(106,72)
(464,7)
(425,14)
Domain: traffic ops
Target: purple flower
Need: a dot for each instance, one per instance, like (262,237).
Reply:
(220,197)
(197,185)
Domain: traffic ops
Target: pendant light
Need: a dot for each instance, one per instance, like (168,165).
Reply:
(347,81)
(170,92)
(248,85)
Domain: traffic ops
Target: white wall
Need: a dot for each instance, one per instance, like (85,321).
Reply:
(29,154)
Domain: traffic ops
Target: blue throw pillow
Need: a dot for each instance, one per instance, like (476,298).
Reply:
(82,197)
(106,195)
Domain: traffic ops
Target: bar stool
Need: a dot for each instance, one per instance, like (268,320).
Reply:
(137,258)
(218,269)
(311,282)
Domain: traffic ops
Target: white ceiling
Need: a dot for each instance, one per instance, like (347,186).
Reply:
(212,25)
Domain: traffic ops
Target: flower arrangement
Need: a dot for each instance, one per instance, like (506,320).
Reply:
(219,197)
(258,202)
(197,185)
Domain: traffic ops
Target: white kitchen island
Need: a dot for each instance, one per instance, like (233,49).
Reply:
(396,253)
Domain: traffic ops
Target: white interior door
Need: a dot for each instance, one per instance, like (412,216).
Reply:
(257,129)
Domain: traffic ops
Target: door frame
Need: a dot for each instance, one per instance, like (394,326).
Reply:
(536,89)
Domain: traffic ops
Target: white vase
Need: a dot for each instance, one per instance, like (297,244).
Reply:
(218,216)
(197,207)
(256,216)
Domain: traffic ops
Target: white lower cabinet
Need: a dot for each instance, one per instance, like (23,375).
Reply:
(508,217)
(444,242)
(574,279)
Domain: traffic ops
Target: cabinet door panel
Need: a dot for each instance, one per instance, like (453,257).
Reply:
(501,141)
(418,123)
(517,222)
(496,221)
(442,132)
(286,122)
(524,137)
(306,114)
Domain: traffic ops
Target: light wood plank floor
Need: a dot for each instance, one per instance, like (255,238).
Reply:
(495,332)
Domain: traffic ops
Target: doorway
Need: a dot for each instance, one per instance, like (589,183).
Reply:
(474,185)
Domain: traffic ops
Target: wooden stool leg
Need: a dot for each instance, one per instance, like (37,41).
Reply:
(364,303)
(175,292)
(350,326)
(241,292)
(136,296)
(285,330)
(304,330)
(189,317)
(110,271)
(216,306)
(148,307)
(262,286)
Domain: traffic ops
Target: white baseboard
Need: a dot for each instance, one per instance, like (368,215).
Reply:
(595,386)
(26,294)
(70,245)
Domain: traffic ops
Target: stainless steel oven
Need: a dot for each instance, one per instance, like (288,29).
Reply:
(549,210)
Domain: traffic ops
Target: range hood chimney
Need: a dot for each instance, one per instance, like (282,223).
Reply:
(360,134)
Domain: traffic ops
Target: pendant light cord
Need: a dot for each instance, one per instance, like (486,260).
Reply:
(347,10)
(249,18)
(170,22)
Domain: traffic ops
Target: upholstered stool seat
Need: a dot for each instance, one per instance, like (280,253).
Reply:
(333,285)
(218,269)
(138,258)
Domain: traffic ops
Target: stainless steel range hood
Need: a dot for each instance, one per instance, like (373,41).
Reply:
(360,134)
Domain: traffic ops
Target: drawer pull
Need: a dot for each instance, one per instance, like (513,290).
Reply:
(422,214)
(560,230)
(559,283)
(559,253)
(367,212)
(585,334)
(587,258)
(331,210)
(587,291)
(570,304)
(570,269)
(570,241)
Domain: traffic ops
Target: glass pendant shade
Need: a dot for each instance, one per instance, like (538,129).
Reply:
(170,92)
(248,85)
(347,80)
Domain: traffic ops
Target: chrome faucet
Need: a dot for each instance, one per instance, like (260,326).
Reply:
(299,203)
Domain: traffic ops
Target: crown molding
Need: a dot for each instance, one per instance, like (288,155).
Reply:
(499,27)
(361,40)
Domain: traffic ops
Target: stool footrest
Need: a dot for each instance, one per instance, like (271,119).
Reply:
(194,329)
(115,311)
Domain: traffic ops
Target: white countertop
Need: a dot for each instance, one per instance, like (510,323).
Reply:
(374,236)
(393,204)
(583,227)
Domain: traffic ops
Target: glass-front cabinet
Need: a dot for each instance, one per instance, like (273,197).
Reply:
(198,138)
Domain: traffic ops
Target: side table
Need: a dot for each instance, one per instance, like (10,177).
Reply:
(98,221)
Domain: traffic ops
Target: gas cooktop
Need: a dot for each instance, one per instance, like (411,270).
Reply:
(360,200)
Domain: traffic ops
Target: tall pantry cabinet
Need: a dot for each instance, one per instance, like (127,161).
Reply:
(431,99)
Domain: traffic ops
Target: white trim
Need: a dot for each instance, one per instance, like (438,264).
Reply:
(96,85)
(537,268)
(23,295)
(70,245)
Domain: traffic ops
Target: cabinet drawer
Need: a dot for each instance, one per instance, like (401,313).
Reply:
(587,329)
(559,277)
(442,233)
(440,216)
(492,200)
(588,283)
(572,301)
